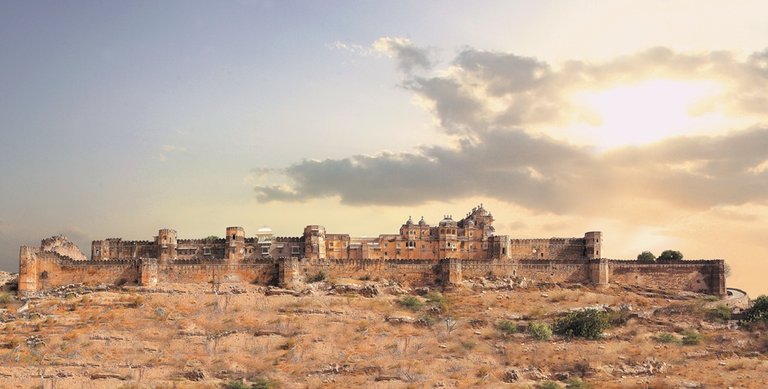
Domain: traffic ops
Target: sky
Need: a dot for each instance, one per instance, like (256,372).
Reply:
(644,120)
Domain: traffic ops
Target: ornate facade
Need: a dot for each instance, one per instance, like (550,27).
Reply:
(472,238)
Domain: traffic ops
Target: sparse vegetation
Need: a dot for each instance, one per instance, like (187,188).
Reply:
(317,277)
(411,302)
(575,383)
(719,314)
(263,383)
(324,340)
(666,337)
(587,323)
(5,298)
(236,385)
(506,327)
(437,299)
(691,338)
(540,330)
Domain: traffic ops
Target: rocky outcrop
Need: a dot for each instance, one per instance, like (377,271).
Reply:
(8,281)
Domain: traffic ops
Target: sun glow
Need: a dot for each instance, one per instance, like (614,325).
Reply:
(649,111)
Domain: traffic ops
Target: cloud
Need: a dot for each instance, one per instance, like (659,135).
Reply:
(408,56)
(488,90)
(491,103)
(543,174)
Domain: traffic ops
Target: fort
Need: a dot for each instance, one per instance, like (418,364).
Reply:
(419,254)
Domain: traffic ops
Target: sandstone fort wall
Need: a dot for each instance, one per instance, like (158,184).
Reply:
(419,254)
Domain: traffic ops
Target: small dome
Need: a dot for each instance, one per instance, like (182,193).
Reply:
(422,222)
(447,221)
(264,230)
(409,222)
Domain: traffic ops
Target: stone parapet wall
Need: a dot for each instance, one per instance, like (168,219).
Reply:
(707,276)
(40,270)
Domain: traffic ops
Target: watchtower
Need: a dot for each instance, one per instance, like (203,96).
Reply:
(235,249)
(593,240)
(166,245)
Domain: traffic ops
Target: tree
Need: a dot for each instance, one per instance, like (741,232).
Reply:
(646,256)
(758,312)
(671,255)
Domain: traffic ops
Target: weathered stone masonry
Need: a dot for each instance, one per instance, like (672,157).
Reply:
(419,255)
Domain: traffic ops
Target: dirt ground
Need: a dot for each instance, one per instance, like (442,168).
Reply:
(183,336)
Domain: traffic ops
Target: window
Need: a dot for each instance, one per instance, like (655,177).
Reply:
(206,251)
(295,250)
(265,250)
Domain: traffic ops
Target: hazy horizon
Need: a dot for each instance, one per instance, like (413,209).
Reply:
(646,121)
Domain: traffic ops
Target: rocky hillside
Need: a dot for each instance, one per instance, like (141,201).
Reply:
(352,333)
(8,281)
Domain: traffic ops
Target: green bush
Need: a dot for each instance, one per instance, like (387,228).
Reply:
(691,338)
(758,312)
(5,297)
(548,385)
(575,383)
(540,331)
(720,314)
(666,337)
(262,383)
(235,385)
(437,299)
(411,302)
(587,323)
(318,277)
(427,321)
(506,327)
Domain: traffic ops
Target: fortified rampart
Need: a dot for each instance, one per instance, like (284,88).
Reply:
(419,255)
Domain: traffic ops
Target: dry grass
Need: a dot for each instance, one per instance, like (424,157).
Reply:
(344,341)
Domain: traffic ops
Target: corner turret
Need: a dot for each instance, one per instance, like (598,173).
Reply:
(593,241)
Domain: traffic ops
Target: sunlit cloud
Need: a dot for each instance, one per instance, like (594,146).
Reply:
(654,129)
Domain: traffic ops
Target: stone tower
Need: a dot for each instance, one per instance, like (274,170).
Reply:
(314,242)
(235,249)
(166,245)
(592,242)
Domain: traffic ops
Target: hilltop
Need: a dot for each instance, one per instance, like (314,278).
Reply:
(353,333)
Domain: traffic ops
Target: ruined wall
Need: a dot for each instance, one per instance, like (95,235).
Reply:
(707,276)
(62,246)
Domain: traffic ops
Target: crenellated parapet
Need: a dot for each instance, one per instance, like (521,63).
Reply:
(444,253)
